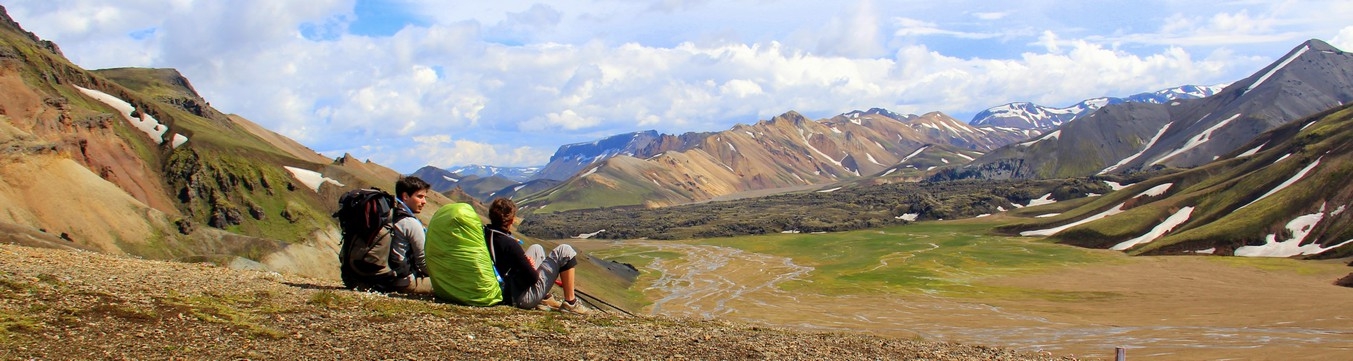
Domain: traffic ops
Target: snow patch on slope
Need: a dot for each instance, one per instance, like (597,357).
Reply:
(1300,228)
(1054,135)
(1198,140)
(1169,224)
(146,123)
(1287,183)
(1139,154)
(1281,65)
(311,179)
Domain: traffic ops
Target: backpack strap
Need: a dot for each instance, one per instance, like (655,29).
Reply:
(502,281)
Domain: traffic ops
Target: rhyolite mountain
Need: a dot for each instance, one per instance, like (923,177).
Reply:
(135,161)
(1126,137)
(786,151)
(1026,115)
(1284,193)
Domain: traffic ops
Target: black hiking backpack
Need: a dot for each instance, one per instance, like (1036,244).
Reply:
(367,218)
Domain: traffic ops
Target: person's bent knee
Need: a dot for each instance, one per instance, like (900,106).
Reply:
(564,251)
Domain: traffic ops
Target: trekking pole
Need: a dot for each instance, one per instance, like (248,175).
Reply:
(580,292)
(585,296)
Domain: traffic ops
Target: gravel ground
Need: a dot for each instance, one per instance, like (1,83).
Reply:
(60,304)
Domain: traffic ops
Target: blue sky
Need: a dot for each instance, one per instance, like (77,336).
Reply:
(408,83)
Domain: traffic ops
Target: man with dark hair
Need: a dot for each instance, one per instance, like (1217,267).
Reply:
(406,248)
(528,274)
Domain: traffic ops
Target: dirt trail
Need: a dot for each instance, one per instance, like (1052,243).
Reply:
(1161,308)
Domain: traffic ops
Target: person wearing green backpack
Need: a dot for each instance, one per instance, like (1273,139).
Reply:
(528,274)
(459,264)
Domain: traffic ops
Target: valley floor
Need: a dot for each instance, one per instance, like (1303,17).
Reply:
(932,281)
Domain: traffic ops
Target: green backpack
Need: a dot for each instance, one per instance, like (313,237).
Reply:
(458,259)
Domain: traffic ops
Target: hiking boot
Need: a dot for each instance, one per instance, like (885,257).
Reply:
(574,307)
(548,304)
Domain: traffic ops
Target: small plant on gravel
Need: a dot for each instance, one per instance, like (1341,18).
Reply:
(550,323)
(228,309)
(329,300)
(15,323)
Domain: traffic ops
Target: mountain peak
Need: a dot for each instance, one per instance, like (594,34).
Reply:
(1318,45)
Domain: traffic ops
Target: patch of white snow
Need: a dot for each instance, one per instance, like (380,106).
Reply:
(1045,199)
(1251,151)
(1148,146)
(1281,65)
(1169,224)
(1286,183)
(1194,142)
(311,179)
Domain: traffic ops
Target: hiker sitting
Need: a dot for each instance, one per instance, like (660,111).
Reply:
(528,274)
(406,250)
(460,266)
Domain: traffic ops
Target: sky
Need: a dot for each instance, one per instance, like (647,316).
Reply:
(409,83)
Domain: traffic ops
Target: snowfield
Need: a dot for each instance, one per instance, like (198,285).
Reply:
(1148,146)
(1300,228)
(145,123)
(1286,183)
(1169,224)
(310,178)
(589,235)
(1153,192)
(1198,140)
(1045,199)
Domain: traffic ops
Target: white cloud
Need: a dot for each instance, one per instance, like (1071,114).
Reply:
(1343,40)
(526,77)
(913,27)
(444,152)
(990,15)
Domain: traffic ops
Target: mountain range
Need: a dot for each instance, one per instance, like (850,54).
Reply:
(783,152)
(1124,137)
(1025,115)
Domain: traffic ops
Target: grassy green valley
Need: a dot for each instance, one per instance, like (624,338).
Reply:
(959,282)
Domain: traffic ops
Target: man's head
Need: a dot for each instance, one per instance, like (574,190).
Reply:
(413,191)
(502,213)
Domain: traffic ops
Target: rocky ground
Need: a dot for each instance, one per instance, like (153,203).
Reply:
(63,304)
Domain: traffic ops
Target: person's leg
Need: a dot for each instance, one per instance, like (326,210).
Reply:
(563,260)
(536,253)
(566,277)
(533,296)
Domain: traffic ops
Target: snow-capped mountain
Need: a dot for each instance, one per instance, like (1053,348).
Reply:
(519,174)
(1184,133)
(572,158)
(1025,115)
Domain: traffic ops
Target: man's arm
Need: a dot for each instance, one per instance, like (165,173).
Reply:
(412,230)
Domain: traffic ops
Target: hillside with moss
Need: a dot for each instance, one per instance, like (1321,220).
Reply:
(166,177)
(1285,193)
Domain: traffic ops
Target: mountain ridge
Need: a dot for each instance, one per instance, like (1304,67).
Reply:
(1182,133)
(1027,115)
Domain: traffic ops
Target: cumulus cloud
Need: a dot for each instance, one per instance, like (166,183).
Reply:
(444,152)
(1344,39)
(507,82)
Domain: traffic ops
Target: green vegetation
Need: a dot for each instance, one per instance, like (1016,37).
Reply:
(241,311)
(849,208)
(946,258)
